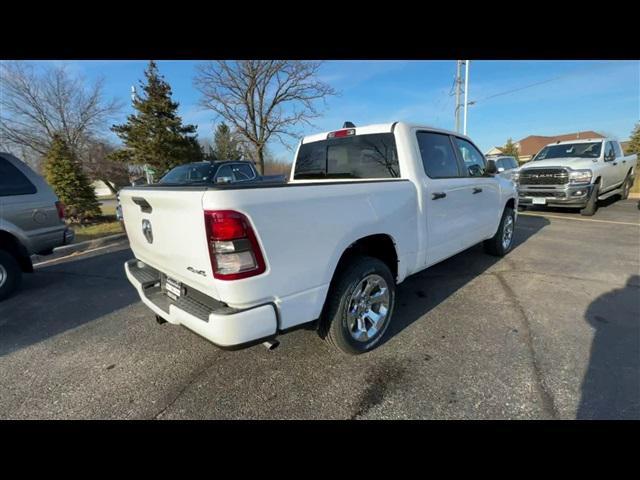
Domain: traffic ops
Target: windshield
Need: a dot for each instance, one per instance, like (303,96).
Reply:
(566,150)
(190,173)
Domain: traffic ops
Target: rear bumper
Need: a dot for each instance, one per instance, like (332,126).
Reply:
(218,323)
(68,236)
(555,196)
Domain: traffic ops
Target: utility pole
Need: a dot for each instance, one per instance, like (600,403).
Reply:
(458,86)
(460,105)
(466,93)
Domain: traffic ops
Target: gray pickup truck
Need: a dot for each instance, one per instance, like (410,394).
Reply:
(31,221)
(576,174)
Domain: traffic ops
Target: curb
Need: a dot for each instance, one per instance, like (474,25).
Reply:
(78,247)
(634,195)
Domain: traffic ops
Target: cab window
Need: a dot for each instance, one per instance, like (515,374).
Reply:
(438,157)
(473,160)
(243,172)
(224,171)
(618,149)
(609,153)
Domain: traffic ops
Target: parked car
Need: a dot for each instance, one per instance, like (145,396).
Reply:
(576,174)
(507,165)
(31,221)
(217,172)
(364,208)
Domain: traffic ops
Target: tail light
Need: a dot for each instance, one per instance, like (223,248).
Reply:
(60,209)
(233,245)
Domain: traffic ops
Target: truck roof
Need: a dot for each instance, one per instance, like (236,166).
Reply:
(581,140)
(379,128)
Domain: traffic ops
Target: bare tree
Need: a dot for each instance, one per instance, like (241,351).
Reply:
(99,164)
(35,106)
(263,99)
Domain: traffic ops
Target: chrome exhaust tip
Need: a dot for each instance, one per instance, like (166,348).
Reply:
(271,344)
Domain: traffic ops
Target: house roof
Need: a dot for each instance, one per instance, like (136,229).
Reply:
(533,143)
(494,149)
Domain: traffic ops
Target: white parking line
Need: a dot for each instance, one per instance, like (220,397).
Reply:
(77,254)
(579,219)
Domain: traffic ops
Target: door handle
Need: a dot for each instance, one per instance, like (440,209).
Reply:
(615,163)
(436,196)
(477,190)
(143,204)
(624,161)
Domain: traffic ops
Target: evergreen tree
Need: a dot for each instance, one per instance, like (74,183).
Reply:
(226,145)
(155,135)
(634,142)
(510,149)
(64,173)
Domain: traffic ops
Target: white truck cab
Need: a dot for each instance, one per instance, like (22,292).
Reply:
(364,208)
(576,174)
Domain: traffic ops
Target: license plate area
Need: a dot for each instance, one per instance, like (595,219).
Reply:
(173,288)
(538,200)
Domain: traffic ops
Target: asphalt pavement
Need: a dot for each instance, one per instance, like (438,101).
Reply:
(551,331)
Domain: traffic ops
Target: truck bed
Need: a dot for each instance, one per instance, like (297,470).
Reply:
(303,227)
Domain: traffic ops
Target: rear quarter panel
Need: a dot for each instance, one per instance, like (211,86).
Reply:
(303,231)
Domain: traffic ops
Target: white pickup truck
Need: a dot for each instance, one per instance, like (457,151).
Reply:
(363,209)
(576,174)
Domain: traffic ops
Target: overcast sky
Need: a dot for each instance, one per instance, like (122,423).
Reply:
(569,96)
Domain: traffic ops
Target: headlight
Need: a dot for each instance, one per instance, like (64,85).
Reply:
(515,176)
(580,176)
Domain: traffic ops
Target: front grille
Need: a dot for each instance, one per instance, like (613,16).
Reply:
(544,176)
(542,194)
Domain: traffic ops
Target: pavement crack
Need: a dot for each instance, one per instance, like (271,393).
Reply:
(548,403)
(191,381)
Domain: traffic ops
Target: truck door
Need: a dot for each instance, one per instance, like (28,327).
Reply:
(623,164)
(447,197)
(611,169)
(485,191)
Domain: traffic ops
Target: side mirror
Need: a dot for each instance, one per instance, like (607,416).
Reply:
(492,167)
(609,158)
(224,180)
(475,170)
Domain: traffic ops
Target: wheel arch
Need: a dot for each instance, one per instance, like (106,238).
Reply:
(379,245)
(11,244)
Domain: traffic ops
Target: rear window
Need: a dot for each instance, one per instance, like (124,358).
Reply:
(359,156)
(189,173)
(13,181)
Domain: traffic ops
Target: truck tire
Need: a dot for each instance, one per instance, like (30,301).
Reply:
(592,204)
(626,186)
(500,244)
(359,306)
(10,274)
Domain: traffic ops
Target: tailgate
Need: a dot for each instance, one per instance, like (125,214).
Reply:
(177,245)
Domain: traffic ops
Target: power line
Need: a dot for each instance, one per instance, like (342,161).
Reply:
(517,89)
(569,74)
